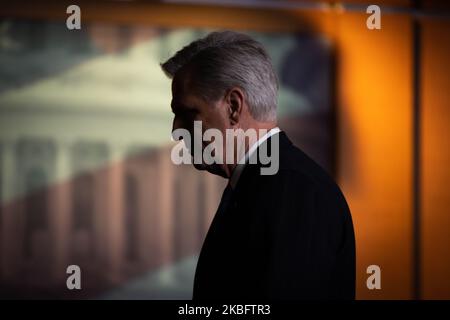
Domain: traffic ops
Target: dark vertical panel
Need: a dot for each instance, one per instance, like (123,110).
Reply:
(435,157)
(416,281)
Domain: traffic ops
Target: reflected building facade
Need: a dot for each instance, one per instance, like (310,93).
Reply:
(116,221)
(85,170)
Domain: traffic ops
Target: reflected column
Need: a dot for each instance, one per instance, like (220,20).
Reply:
(8,243)
(61,212)
(114,200)
(165,196)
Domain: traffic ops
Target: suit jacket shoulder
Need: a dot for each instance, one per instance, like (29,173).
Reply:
(283,236)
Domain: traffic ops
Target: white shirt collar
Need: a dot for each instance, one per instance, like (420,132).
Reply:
(241,164)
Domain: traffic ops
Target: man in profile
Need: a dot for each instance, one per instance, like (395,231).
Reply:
(287,235)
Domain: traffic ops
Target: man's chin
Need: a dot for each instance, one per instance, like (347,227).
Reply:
(211,168)
(201,166)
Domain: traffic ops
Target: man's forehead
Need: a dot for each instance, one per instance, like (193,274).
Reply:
(182,92)
(182,76)
(178,91)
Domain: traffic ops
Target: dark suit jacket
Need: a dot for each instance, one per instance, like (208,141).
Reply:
(283,236)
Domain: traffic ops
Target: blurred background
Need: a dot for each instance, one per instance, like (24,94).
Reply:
(85,170)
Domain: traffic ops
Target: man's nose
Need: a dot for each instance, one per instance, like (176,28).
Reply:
(176,124)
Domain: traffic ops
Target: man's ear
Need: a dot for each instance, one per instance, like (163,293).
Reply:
(235,101)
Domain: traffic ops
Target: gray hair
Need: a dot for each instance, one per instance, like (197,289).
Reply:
(225,59)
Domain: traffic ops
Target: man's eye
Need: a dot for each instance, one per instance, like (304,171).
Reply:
(193,113)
